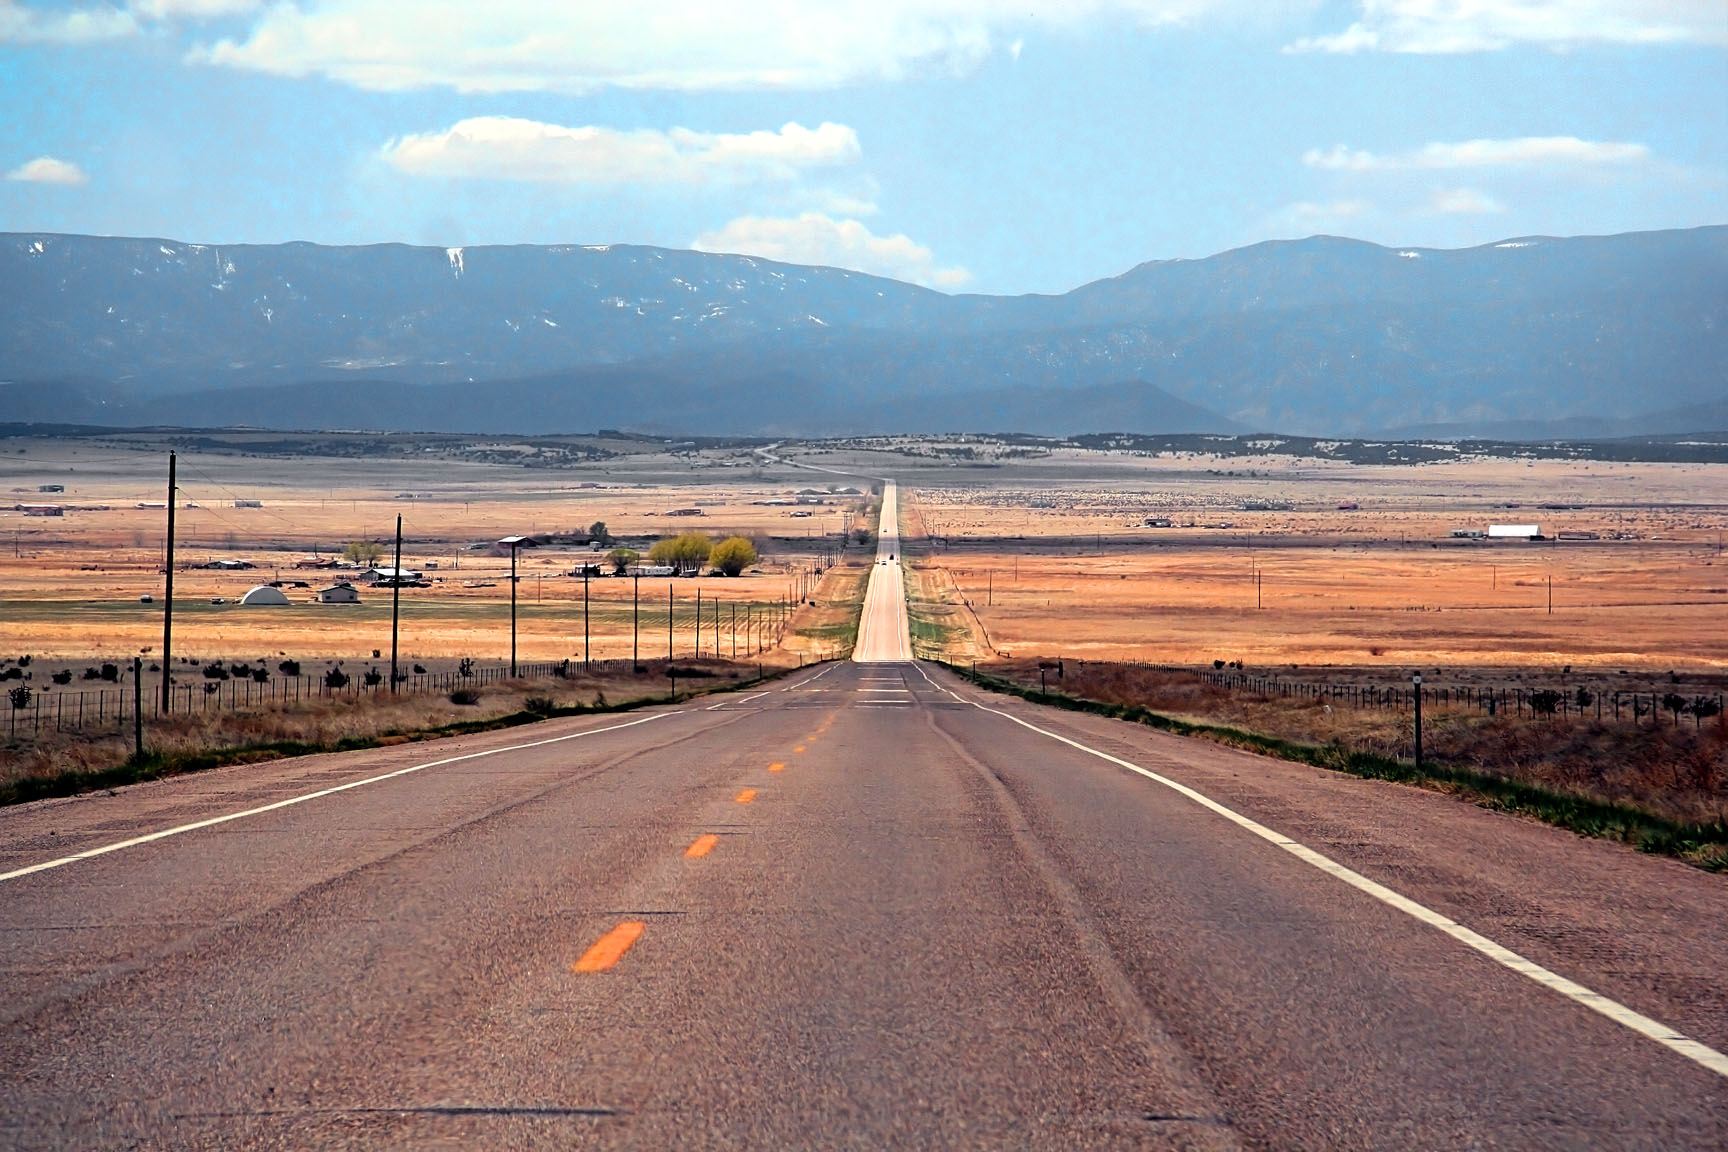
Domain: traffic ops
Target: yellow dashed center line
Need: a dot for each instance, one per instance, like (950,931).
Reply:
(610,948)
(746,796)
(702,846)
(777,766)
(800,748)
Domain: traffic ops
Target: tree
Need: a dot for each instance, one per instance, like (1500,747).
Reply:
(597,531)
(622,558)
(686,550)
(733,555)
(1546,702)
(363,551)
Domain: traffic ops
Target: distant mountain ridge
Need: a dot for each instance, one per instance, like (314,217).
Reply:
(1320,336)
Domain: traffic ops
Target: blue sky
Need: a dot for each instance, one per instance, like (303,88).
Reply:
(971,145)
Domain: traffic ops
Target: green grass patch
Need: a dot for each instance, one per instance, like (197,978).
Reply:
(1703,845)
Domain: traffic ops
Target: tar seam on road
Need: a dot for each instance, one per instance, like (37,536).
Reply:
(1701,1054)
(292,800)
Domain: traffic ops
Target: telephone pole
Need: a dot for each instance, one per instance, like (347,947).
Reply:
(395,605)
(168,602)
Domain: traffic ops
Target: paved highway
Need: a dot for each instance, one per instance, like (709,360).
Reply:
(868,907)
(883,633)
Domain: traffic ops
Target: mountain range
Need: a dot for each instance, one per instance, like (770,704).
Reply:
(1530,337)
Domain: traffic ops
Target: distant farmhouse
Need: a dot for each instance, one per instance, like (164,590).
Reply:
(338,594)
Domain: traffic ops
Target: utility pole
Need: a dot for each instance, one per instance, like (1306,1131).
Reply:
(168,602)
(698,621)
(668,621)
(585,643)
(1550,594)
(137,708)
(1257,588)
(636,623)
(513,550)
(396,605)
(733,627)
(1416,679)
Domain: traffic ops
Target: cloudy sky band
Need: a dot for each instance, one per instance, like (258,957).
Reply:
(1030,151)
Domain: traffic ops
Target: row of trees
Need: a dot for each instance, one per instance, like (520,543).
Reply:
(691,550)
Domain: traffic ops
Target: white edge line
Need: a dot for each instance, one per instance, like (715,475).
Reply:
(745,700)
(194,826)
(1654,1029)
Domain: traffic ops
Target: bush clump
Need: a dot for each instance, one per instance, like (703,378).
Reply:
(465,696)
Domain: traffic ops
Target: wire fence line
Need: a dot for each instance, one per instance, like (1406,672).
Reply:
(1656,708)
(32,710)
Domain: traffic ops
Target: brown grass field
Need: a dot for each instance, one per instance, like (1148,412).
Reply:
(70,586)
(1073,570)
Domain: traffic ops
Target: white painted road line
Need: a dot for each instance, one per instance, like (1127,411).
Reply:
(745,700)
(1700,1054)
(214,820)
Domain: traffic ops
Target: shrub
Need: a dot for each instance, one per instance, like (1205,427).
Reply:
(111,672)
(685,550)
(289,667)
(373,678)
(12,674)
(215,672)
(540,705)
(92,674)
(261,674)
(1545,701)
(335,678)
(465,696)
(732,555)
(240,671)
(61,677)
(466,667)
(420,669)
(20,696)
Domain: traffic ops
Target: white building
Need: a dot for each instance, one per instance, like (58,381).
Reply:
(338,594)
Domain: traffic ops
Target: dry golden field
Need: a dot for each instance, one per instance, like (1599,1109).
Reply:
(70,586)
(1068,566)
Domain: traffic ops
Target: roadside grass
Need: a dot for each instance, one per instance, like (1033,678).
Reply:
(830,629)
(1700,842)
(189,743)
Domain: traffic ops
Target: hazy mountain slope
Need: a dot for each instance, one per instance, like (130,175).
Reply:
(1320,336)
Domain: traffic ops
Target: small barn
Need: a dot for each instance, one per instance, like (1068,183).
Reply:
(264,595)
(338,594)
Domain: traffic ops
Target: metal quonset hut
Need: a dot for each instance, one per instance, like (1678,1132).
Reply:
(264,595)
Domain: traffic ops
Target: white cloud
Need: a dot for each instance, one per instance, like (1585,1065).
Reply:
(48,170)
(1447,26)
(581,45)
(37,23)
(1526,151)
(508,148)
(193,9)
(1466,202)
(817,239)
(21,23)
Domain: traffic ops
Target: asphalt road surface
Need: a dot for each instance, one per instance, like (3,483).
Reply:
(869,907)
(883,633)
